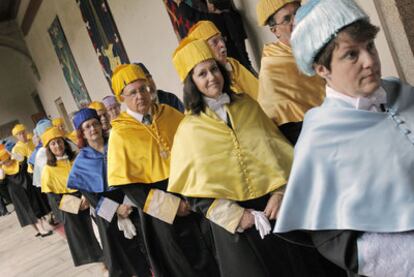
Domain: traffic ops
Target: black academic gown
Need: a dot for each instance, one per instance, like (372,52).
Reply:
(38,199)
(179,249)
(247,254)
(26,203)
(4,198)
(83,245)
(123,257)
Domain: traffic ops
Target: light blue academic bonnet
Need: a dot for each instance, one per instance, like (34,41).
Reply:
(316,23)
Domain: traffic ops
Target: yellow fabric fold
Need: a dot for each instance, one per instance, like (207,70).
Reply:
(226,214)
(211,160)
(242,80)
(72,136)
(11,169)
(54,178)
(23,149)
(162,205)
(135,154)
(285,94)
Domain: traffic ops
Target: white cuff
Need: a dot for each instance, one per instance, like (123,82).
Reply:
(162,205)
(106,208)
(225,213)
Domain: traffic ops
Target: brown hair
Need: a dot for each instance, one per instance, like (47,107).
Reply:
(360,31)
(193,98)
(51,158)
(82,141)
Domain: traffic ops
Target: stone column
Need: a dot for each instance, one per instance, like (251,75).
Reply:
(397,17)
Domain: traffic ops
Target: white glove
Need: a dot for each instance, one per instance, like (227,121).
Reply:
(125,225)
(262,223)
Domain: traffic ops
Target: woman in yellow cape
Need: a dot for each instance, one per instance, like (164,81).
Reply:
(67,203)
(232,165)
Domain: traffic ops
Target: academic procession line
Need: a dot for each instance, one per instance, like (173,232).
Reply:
(305,171)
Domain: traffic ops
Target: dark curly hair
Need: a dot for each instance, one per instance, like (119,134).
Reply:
(193,98)
(51,158)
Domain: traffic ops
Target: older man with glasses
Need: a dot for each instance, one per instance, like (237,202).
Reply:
(139,151)
(284,93)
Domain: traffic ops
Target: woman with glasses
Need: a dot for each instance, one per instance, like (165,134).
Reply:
(74,208)
(122,253)
(284,94)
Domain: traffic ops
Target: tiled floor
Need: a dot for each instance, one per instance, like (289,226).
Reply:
(23,254)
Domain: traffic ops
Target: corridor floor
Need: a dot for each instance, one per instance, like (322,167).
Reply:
(24,255)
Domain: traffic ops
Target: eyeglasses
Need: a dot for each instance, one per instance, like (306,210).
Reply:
(287,19)
(141,90)
(89,126)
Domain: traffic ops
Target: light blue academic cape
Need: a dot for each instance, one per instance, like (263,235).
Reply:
(354,169)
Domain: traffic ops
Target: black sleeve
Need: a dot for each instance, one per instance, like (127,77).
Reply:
(137,193)
(291,131)
(200,205)
(93,198)
(4,192)
(339,246)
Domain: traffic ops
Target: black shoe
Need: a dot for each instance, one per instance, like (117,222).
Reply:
(38,235)
(46,234)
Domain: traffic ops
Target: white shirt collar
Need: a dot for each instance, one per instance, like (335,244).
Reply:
(136,115)
(376,98)
(217,105)
(64,157)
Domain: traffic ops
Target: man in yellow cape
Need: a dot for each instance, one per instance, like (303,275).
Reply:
(285,94)
(242,80)
(139,163)
(24,147)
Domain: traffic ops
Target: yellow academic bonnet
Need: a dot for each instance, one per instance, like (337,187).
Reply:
(266,8)
(57,122)
(203,29)
(123,75)
(4,155)
(50,134)
(97,106)
(188,54)
(17,129)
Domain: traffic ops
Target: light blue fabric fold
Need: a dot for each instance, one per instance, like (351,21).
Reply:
(353,169)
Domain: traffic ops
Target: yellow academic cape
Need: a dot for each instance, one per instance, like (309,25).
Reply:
(138,153)
(242,80)
(211,160)
(25,150)
(55,178)
(11,169)
(285,94)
